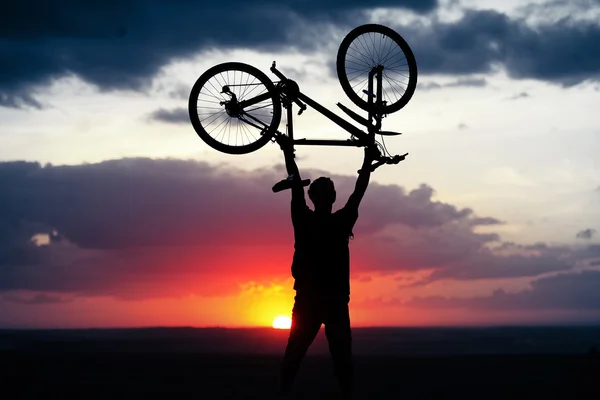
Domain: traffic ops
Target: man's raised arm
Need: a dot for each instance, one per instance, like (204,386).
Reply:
(292,170)
(362,182)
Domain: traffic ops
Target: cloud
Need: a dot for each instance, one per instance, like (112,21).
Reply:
(458,255)
(512,266)
(468,82)
(522,95)
(586,234)
(174,116)
(567,291)
(39,298)
(19,98)
(139,228)
(465,82)
(483,40)
(123,44)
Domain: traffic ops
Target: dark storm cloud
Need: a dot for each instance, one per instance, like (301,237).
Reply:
(586,234)
(562,52)
(152,202)
(571,291)
(121,44)
(173,116)
(148,198)
(138,228)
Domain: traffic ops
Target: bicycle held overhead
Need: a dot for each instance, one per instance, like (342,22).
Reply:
(236,109)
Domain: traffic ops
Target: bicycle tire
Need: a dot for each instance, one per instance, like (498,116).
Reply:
(341,66)
(200,125)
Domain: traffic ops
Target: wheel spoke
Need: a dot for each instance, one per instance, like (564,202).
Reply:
(397,64)
(365,81)
(360,61)
(245,88)
(393,89)
(357,74)
(365,46)
(365,60)
(228,123)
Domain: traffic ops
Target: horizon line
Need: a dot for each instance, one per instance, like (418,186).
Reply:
(266,327)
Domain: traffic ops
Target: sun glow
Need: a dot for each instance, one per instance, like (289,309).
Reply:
(282,322)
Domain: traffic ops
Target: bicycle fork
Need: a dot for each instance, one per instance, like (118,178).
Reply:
(377,72)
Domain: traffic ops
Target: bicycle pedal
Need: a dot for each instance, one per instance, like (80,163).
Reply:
(281,185)
(288,184)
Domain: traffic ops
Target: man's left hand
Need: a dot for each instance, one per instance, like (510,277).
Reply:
(372,153)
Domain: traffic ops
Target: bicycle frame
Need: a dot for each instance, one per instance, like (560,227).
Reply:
(364,139)
(290,93)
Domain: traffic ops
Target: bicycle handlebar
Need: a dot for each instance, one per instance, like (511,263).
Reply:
(385,160)
(276,72)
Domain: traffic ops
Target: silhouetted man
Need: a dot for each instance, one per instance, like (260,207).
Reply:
(321,270)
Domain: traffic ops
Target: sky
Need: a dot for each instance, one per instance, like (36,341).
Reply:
(114,213)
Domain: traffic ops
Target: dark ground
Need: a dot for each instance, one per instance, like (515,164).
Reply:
(190,376)
(121,369)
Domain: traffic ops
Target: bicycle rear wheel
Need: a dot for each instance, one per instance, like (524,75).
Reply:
(368,46)
(234,108)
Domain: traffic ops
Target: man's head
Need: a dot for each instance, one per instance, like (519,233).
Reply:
(322,192)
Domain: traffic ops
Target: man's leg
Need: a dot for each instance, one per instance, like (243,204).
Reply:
(339,336)
(306,322)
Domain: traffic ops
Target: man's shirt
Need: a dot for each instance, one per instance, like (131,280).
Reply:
(322,258)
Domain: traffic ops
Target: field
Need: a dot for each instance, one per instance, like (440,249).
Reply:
(174,364)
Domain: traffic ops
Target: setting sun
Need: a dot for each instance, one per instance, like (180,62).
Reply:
(282,322)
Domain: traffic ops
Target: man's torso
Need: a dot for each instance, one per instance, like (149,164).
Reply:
(322,257)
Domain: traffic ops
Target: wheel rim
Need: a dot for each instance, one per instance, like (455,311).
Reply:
(369,50)
(220,115)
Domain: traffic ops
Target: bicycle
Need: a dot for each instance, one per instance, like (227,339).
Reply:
(262,111)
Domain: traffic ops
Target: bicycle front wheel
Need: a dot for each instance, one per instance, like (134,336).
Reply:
(369,46)
(234,108)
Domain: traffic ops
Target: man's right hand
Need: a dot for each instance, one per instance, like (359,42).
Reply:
(287,145)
